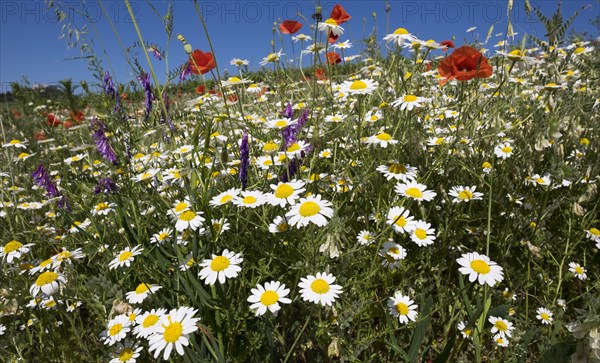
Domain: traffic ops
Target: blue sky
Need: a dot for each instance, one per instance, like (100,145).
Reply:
(30,44)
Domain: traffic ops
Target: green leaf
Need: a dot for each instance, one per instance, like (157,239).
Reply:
(420,330)
(560,352)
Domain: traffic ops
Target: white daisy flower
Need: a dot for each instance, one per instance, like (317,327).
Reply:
(400,219)
(593,234)
(125,257)
(117,329)
(220,267)
(319,289)
(408,102)
(359,86)
(577,270)
(126,352)
(501,326)
(481,268)
(422,234)
(224,197)
(161,236)
(147,322)
(365,238)
(268,297)
(286,193)
(103,208)
(400,36)
(465,331)
(501,340)
(312,209)
(504,151)
(48,283)
(279,225)
(464,194)
(251,199)
(173,331)
(382,139)
(141,292)
(14,250)
(189,220)
(414,191)
(402,307)
(544,315)
(398,171)
(331,26)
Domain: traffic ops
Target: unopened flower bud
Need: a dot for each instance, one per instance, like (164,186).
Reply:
(188,48)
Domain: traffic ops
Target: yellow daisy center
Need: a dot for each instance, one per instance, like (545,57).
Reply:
(579,270)
(358,85)
(465,194)
(579,50)
(181,206)
(594,231)
(281,123)
(331,21)
(319,286)
(46,278)
(480,266)
(410,98)
(507,149)
(12,246)
(501,325)
(150,320)
(163,236)
(308,209)
(420,233)
(284,191)
(402,308)
(226,198)
(14,142)
(187,216)
(142,288)
(126,354)
(249,199)
(234,80)
(126,255)
(394,250)
(115,329)
(401,222)
(400,31)
(269,297)
(414,192)
(282,227)
(270,146)
(46,262)
(219,263)
(397,169)
(102,206)
(294,147)
(173,332)
(545,316)
(384,136)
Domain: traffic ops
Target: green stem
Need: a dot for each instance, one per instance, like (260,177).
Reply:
(289,353)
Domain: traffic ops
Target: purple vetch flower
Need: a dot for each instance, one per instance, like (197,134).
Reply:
(110,90)
(290,132)
(186,72)
(155,52)
(42,179)
(144,79)
(244,160)
(106,186)
(167,117)
(288,112)
(102,144)
(294,165)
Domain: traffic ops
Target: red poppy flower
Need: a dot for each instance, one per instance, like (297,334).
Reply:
(339,14)
(332,37)
(39,136)
(15,113)
(77,116)
(53,120)
(464,64)
(68,124)
(200,89)
(333,58)
(289,26)
(201,62)
(124,96)
(320,74)
(447,44)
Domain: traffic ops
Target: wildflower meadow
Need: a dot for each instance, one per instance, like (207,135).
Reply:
(419,201)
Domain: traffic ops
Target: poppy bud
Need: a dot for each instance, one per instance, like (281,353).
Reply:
(188,48)
(181,38)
